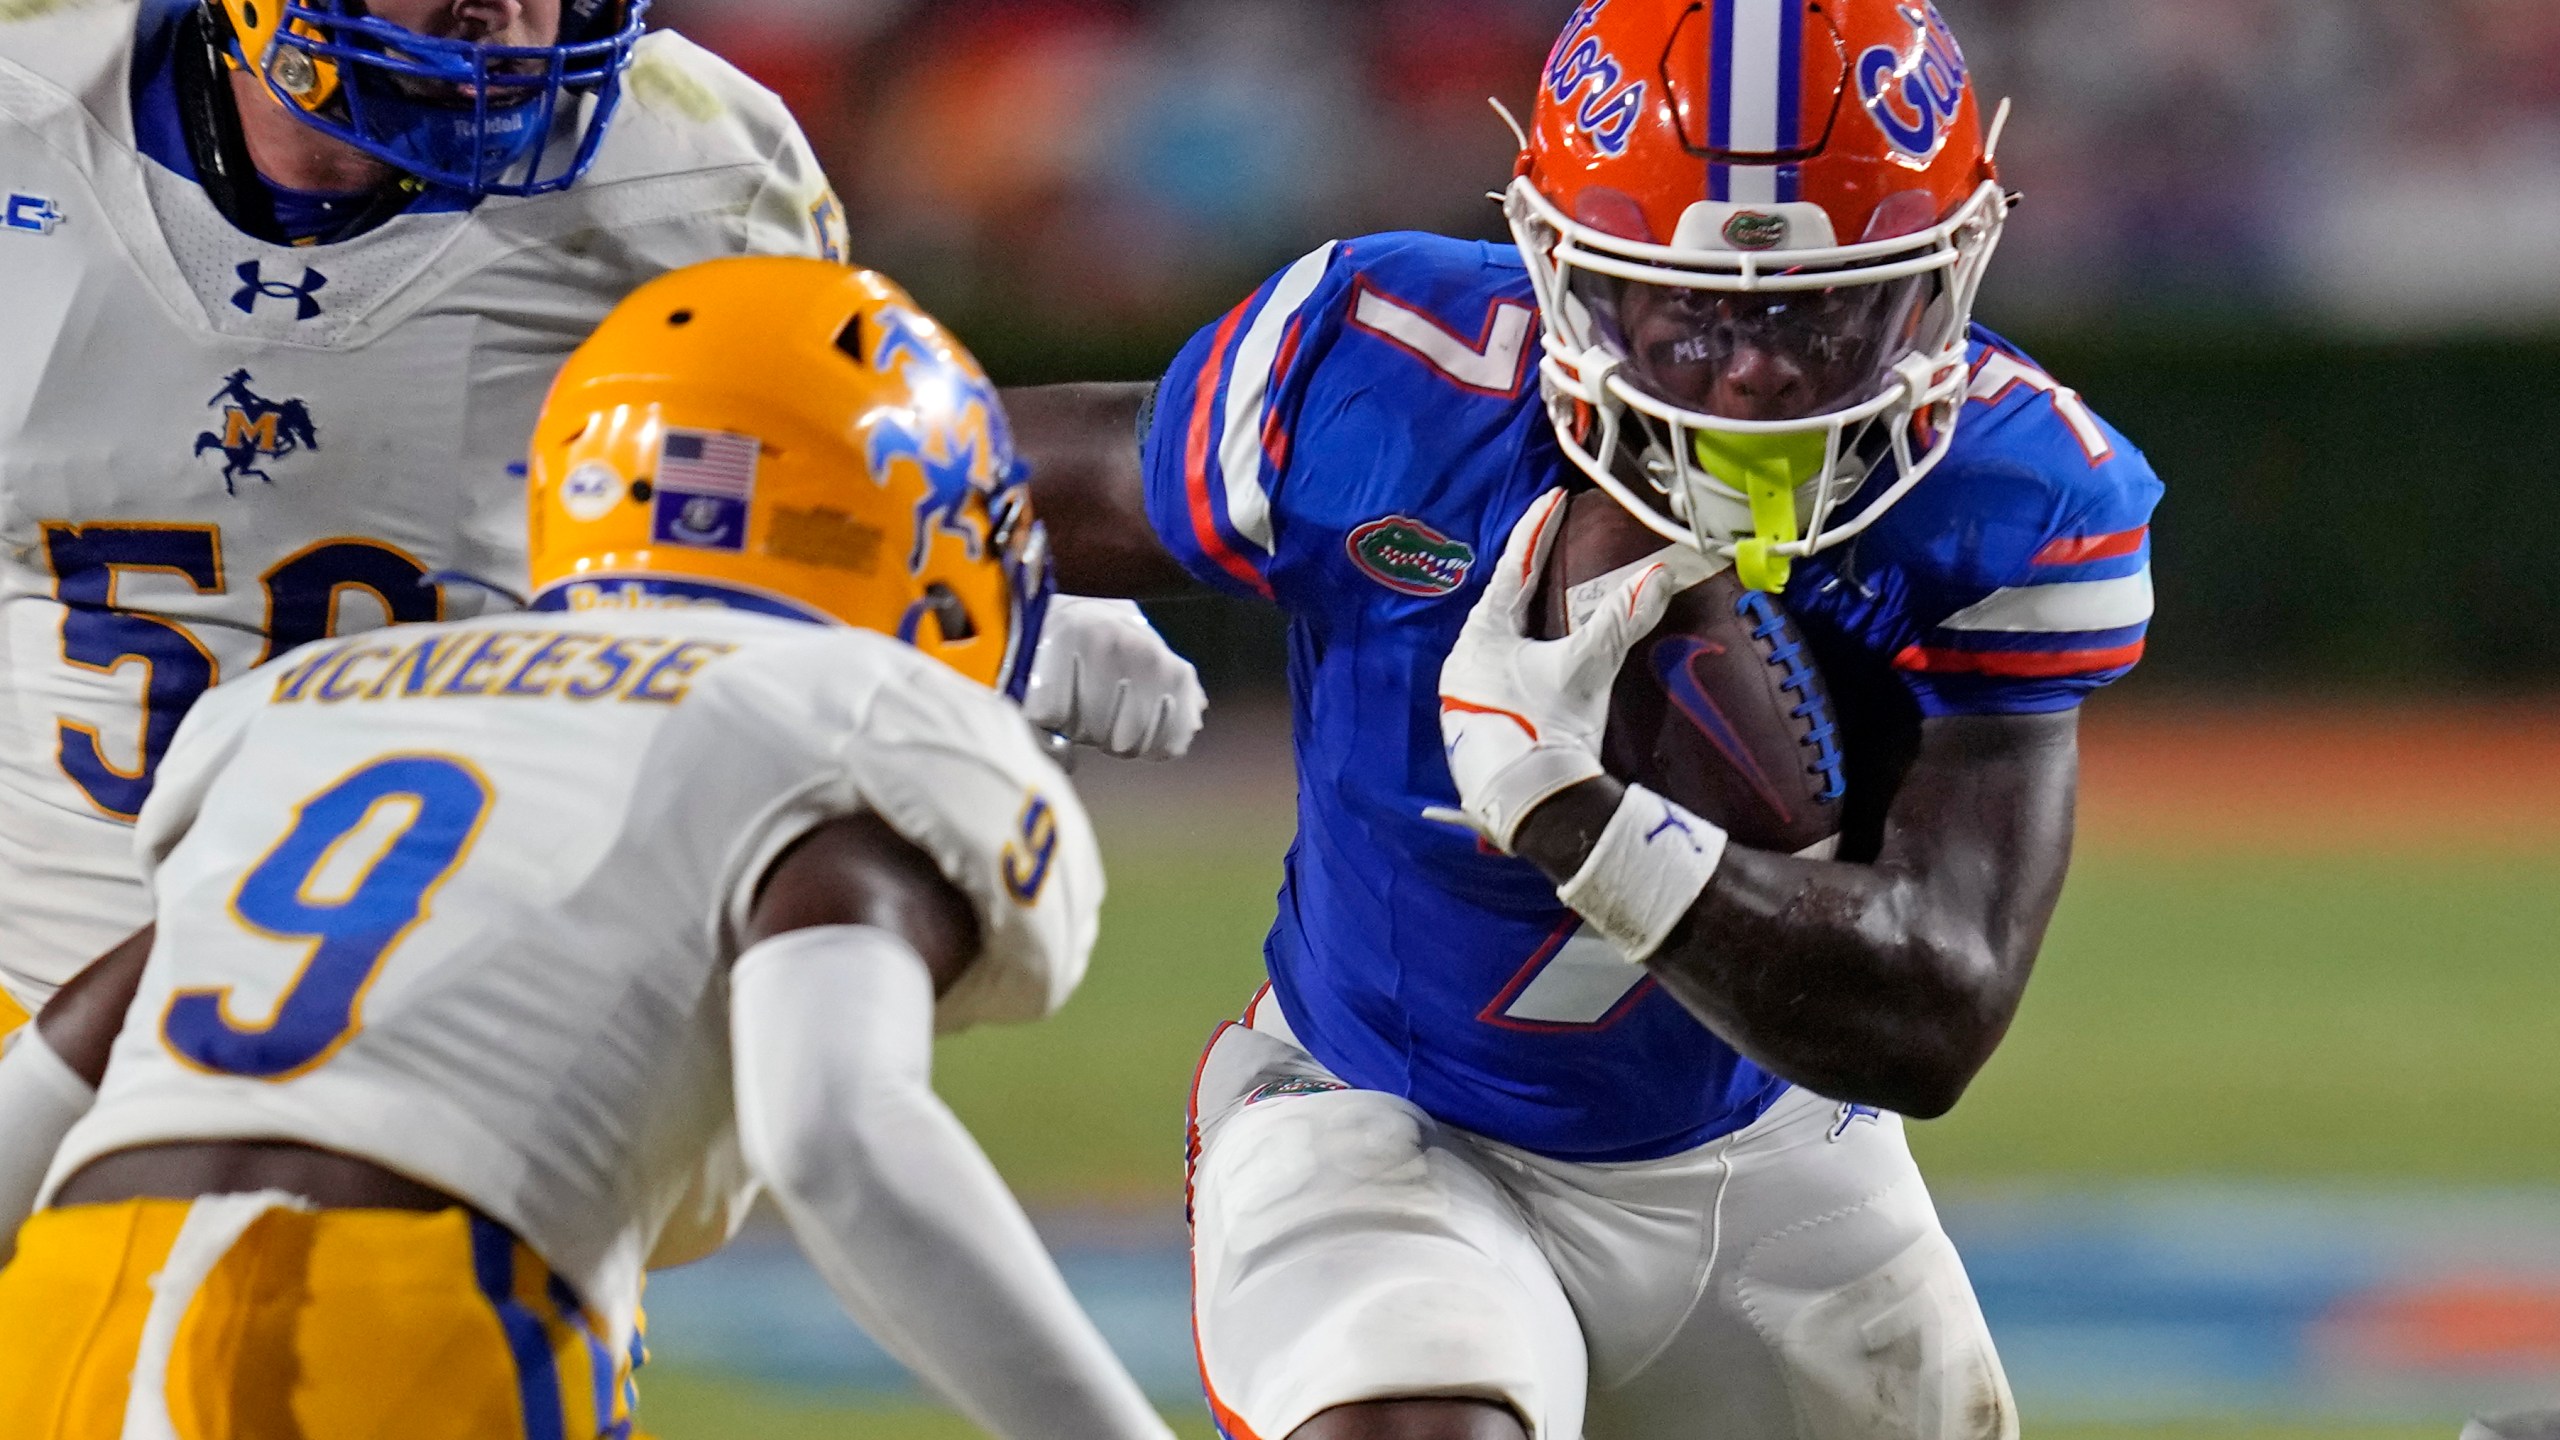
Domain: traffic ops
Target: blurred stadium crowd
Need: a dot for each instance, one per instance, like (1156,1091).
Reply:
(2383,165)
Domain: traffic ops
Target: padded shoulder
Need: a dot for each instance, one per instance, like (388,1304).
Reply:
(1370,375)
(954,768)
(2036,479)
(1421,256)
(56,55)
(687,112)
(685,109)
(2020,570)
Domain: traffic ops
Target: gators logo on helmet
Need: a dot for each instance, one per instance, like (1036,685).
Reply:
(1757,228)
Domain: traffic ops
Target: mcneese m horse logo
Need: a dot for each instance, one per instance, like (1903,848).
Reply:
(255,429)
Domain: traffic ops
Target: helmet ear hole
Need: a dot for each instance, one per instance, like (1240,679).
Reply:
(849,340)
(950,613)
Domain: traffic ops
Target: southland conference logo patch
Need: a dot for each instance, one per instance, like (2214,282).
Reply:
(30,214)
(255,429)
(1410,557)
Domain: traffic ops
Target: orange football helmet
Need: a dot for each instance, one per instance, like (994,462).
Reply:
(790,437)
(1757,228)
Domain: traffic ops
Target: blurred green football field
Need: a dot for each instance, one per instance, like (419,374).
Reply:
(684,1408)
(2365,1019)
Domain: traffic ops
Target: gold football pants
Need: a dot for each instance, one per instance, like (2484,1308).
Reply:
(251,1321)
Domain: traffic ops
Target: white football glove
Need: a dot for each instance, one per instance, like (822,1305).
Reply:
(1521,719)
(1105,678)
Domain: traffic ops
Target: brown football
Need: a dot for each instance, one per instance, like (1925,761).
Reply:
(1720,708)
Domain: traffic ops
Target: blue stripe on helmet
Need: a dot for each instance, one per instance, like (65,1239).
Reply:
(1720,82)
(1790,81)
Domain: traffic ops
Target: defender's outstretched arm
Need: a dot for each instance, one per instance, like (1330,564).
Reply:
(1084,446)
(1888,983)
(831,1019)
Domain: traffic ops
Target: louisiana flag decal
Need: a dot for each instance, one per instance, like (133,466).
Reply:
(705,481)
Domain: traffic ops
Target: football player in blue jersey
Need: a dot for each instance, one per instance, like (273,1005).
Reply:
(1580,1123)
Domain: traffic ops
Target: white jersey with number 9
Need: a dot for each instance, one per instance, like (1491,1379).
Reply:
(460,900)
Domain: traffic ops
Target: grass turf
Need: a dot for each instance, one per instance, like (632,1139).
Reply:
(2350,1020)
(683,1407)
(2353,1019)
(2360,1020)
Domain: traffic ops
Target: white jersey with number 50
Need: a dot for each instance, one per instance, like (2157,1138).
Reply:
(460,899)
(213,449)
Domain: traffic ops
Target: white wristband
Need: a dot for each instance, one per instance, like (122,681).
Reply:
(1653,860)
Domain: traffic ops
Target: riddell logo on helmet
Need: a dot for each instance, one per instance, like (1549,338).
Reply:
(1915,100)
(1753,230)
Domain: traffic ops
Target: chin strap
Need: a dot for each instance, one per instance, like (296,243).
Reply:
(215,141)
(219,147)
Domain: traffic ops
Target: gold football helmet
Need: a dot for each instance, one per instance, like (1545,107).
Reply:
(790,437)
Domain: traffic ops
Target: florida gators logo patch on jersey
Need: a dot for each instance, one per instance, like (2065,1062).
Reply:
(1410,557)
(255,429)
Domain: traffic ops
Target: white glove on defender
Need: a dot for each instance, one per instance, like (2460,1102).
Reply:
(1521,719)
(1105,678)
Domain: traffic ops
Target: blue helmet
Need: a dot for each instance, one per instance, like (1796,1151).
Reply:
(479,118)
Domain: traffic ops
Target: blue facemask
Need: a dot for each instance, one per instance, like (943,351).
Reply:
(477,118)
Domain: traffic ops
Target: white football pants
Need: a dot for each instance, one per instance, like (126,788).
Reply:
(1786,1282)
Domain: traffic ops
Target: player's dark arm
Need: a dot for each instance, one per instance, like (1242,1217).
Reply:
(1889,983)
(82,1020)
(858,871)
(1088,486)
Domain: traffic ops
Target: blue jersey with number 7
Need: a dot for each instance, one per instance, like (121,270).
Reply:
(1354,443)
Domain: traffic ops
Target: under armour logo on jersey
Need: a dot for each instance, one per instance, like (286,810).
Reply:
(255,428)
(255,286)
(33,214)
